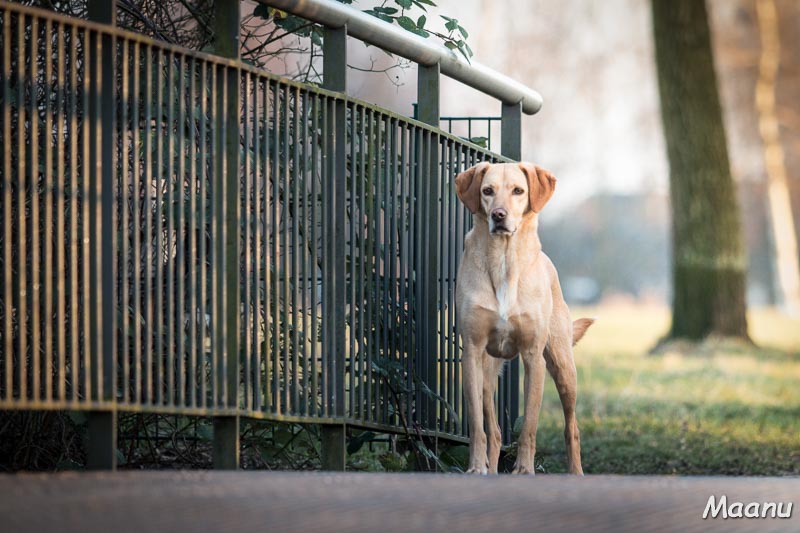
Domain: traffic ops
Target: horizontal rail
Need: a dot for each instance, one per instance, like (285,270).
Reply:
(403,43)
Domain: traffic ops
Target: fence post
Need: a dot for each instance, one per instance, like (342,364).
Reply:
(428,273)
(226,43)
(334,78)
(101,453)
(511,147)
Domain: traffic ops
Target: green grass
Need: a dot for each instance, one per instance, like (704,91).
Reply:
(723,408)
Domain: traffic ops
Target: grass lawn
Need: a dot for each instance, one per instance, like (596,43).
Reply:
(723,409)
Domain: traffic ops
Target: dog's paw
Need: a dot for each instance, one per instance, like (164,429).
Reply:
(478,471)
(523,470)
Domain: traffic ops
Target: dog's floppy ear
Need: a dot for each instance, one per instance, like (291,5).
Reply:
(541,185)
(468,186)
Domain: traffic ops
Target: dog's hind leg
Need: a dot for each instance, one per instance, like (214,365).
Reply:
(561,365)
(491,369)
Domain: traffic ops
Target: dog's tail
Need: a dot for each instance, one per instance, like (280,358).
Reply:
(579,328)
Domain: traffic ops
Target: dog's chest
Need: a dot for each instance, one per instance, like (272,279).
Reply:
(511,329)
(506,286)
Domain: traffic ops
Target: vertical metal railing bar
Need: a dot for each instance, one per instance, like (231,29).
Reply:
(21,287)
(391,267)
(443,361)
(33,221)
(361,274)
(413,246)
(285,216)
(85,230)
(295,257)
(363,347)
(406,342)
(105,229)
(327,257)
(183,233)
(246,201)
(446,310)
(351,247)
(256,221)
(203,224)
(171,183)
(159,178)
(380,262)
(304,217)
(48,190)
(452,346)
(315,210)
(61,264)
(371,266)
(214,244)
(73,216)
(125,198)
(266,264)
(460,230)
(193,224)
(420,368)
(276,240)
(136,215)
(221,200)
(148,254)
(413,243)
(8,324)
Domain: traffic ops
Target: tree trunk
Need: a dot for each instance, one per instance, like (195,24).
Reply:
(780,206)
(709,262)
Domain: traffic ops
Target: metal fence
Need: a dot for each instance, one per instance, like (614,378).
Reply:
(183,233)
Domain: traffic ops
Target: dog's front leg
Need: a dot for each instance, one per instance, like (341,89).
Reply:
(534,387)
(472,370)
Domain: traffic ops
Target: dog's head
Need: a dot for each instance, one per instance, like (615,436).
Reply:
(505,193)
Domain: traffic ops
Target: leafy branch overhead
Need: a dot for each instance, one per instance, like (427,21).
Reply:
(400,13)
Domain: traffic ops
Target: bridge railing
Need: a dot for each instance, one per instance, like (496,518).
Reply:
(183,233)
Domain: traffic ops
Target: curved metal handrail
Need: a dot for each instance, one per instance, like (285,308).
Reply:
(403,43)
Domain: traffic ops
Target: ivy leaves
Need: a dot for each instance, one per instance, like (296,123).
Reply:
(399,13)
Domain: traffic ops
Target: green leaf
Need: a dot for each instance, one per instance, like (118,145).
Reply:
(386,10)
(463,32)
(480,141)
(383,17)
(451,45)
(419,5)
(405,4)
(406,23)
(421,21)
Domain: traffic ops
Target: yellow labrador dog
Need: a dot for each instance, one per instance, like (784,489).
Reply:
(509,302)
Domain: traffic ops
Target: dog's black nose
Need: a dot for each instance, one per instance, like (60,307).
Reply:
(499,214)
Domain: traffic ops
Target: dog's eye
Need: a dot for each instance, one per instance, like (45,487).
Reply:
(488,191)
(517,190)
